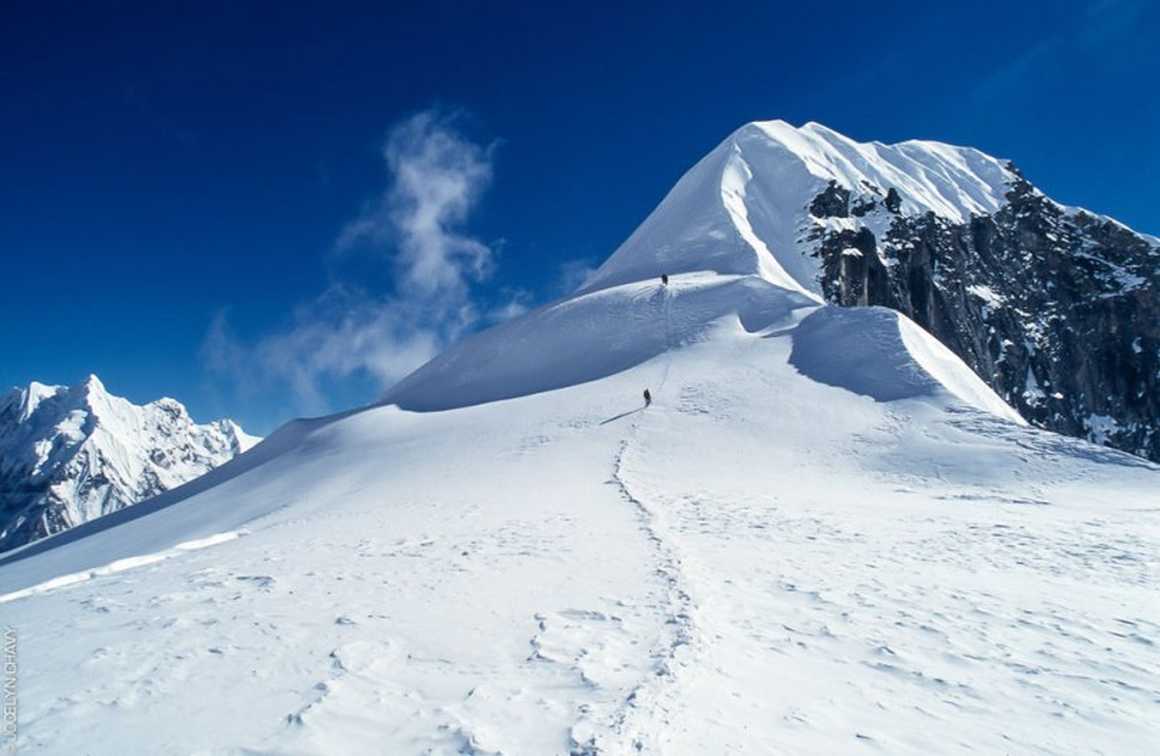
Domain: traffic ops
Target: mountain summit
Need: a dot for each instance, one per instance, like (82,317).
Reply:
(71,454)
(745,208)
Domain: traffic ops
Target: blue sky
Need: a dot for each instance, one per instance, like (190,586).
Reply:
(211,201)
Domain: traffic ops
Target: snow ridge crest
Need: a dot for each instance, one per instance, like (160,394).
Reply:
(744,208)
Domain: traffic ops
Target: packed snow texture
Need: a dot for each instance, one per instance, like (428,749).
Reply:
(72,454)
(825,535)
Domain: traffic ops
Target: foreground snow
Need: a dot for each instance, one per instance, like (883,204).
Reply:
(787,552)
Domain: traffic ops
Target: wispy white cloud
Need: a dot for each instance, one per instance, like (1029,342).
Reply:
(514,304)
(436,177)
(574,274)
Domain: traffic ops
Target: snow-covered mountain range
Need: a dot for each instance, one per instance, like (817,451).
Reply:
(71,454)
(825,534)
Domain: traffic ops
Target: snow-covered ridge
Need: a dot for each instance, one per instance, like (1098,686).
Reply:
(71,454)
(744,208)
(601,333)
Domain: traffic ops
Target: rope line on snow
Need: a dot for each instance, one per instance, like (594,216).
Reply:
(666,303)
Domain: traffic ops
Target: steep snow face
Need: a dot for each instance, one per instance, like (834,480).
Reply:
(744,208)
(68,455)
(882,354)
(776,554)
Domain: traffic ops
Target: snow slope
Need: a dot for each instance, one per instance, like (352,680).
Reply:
(743,209)
(825,535)
(72,454)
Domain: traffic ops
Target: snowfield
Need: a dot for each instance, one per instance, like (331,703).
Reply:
(825,535)
(767,559)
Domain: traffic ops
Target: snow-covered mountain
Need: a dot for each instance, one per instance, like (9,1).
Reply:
(1056,308)
(825,534)
(71,454)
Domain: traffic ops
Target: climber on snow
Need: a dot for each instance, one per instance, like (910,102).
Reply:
(664,279)
(647,398)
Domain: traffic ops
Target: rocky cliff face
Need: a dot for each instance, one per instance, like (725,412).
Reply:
(70,454)
(1056,308)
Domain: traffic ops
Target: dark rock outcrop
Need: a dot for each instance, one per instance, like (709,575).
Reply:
(1057,309)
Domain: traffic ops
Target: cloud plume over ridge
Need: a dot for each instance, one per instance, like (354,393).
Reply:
(435,179)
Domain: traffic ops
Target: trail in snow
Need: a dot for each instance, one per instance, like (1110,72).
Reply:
(633,725)
(663,296)
(638,724)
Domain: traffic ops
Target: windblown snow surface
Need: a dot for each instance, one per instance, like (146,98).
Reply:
(826,535)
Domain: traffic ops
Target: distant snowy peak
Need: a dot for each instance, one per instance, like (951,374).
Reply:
(745,208)
(24,401)
(69,454)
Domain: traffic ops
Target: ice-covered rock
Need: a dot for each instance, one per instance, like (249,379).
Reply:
(71,454)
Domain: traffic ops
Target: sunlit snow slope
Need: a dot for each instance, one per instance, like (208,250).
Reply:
(744,207)
(806,544)
(825,535)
